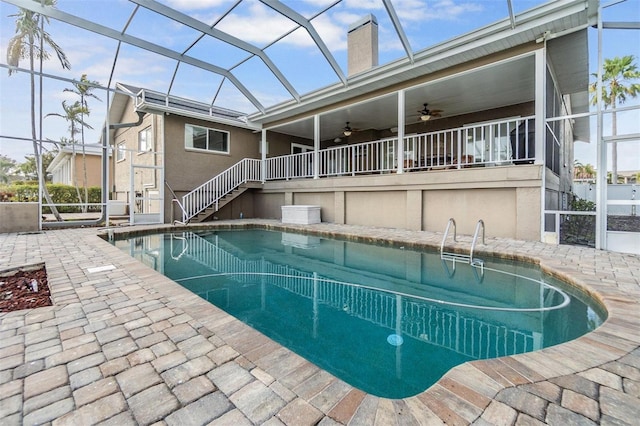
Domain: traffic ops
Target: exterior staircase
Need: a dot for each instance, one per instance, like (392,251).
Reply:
(205,214)
(201,203)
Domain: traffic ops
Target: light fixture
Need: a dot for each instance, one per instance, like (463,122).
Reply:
(337,140)
(425,117)
(347,130)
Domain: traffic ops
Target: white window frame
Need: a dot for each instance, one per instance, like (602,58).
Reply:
(148,140)
(480,147)
(208,129)
(121,152)
(304,148)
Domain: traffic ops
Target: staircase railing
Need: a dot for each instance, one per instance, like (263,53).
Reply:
(209,193)
(174,200)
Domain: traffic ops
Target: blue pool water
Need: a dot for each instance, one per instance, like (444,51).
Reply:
(386,320)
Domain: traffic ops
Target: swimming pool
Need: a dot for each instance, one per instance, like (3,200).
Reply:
(389,321)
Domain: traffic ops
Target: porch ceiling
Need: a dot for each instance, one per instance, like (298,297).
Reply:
(507,83)
(496,85)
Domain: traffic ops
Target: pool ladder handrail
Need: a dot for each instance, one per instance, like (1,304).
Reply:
(446,233)
(185,245)
(466,258)
(479,225)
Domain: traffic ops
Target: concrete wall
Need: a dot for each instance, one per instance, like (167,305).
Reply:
(19,217)
(184,169)
(94,170)
(187,169)
(506,198)
(362,45)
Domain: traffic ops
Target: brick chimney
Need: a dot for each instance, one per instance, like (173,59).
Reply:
(362,45)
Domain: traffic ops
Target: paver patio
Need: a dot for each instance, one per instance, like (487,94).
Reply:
(126,345)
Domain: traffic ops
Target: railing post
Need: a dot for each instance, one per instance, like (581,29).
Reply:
(460,148)
(353,160)
(263,156)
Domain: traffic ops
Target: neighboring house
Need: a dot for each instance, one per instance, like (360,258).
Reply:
(470,129)
(68,166)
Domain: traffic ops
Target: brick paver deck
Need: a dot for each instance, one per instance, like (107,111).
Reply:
(123,345)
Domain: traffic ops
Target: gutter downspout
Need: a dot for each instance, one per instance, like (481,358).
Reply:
(105,183)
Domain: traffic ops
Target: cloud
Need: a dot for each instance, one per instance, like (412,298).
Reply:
(365,4)
(412,11)
(261,26)
(196,4)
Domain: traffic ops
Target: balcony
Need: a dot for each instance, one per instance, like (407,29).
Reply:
(503,142)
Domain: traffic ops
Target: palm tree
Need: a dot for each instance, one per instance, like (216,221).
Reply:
(29,170)
(84,89)
(28,43)
(7,166)
(615,73)
(583,171)
(73,115)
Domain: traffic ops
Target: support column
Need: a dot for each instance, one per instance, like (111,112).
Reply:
(339,207)
(414,210)
(400,131)
(601,154)
(263,163)
(540,103)
(316,146)
(540,126)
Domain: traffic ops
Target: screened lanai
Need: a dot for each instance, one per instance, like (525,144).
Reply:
(277,62)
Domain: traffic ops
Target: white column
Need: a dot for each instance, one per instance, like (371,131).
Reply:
(400,131)
(601,154)
(316,146)
(540,113)
(540,103)
(263,163)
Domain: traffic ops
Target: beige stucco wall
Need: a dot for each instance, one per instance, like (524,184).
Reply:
(19,217)
(94,170)
(495,206)
(186,169)
(380,208)
(323,199)
(506,198)
(129,136)
(267,205)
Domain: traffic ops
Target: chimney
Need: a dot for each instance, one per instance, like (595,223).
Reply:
(362,45)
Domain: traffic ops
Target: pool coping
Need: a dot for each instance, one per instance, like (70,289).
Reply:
(479,391)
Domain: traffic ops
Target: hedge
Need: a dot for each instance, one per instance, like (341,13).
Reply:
(60,194)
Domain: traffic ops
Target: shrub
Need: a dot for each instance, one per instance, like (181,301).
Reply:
(60,194)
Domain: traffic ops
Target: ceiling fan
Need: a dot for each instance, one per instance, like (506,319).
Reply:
(426,114)
(347,130)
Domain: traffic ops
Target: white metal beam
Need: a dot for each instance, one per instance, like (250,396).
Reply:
(220,35)
(76,21)
(289,13)
(512,18)
(601,152)
(401,124)
(399,29)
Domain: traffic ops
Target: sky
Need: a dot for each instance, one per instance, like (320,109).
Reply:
(426,23)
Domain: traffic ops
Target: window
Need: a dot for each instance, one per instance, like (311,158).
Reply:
(201,138)
(145,140)
(490,143)
(121,152)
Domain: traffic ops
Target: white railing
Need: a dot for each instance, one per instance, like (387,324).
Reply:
(501,142)
(210,192)
(368,157)
(289,166)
